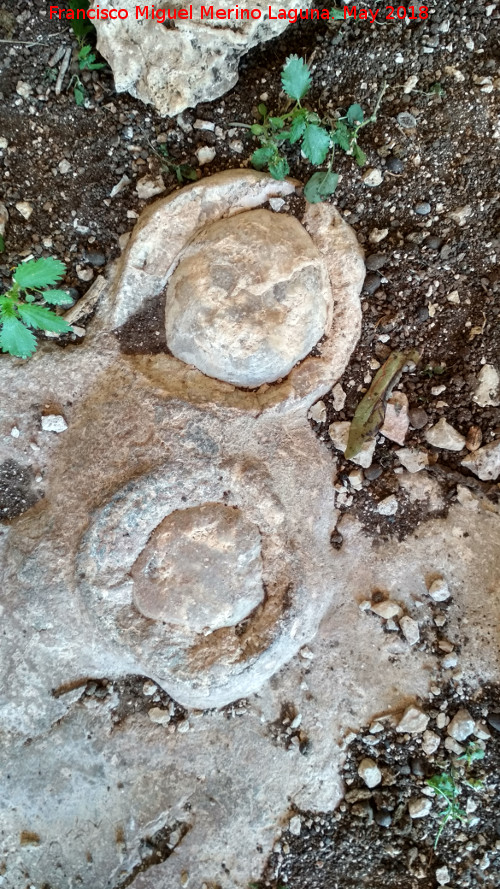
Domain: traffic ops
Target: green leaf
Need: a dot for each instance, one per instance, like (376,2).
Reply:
(257,129)
(7,307)
(320,186)
(188,173)
(81,27)
(337,14)
(355,114)
(277,123)
(90,63)
(2,244)
(342,136)
(279,168)
(261,156)
(297,128)
(16,339)
(84,52)
(38,273)
(43,319)
(359,155)
(262,109)
(316,143)
(79,94)
(296,78)
(56,297)
(370,411)
(312,117)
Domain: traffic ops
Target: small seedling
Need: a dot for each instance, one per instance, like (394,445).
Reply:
(448,786)
(87,60)
(20,307)
(83,29)
(318,137)
(78,89)
(183,172)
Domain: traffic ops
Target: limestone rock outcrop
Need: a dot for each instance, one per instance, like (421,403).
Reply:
(176,65)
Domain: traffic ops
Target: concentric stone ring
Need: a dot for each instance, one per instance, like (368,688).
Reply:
(249,294)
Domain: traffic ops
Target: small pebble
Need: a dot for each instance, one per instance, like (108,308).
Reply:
(388,506)
(419,808)
(373,177)
(406,120)
(159,716)
(418,417)
(383,818)
(423,208)
(461,726)
(318,412)
(433,243)
(205,154)
(442,876)
(25,209)
(439,590)
(373,472)
(377,234)
(453,746)
(386,609)
(372,283)
(430,742)
(443,435)
(339,397)
(413,721)
(54,423)
(369,772)
(410,630)
(394,165)
(375,261)
(295,825)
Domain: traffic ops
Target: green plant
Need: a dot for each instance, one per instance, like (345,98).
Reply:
(20,306)
(318,137)
(448,786)
(183,172)
(83,29)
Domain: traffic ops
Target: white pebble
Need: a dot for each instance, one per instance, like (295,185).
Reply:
(373,177)
(462,725)
(443,876)
(369,772)
(410,629)
(25,209)
(438,590)
(205,154)
(419,808)
(388,506)
(386,609)
(159,716)
(430,742)
(54,423)
(413,721)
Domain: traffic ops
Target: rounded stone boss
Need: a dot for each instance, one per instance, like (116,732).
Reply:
(260,310)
